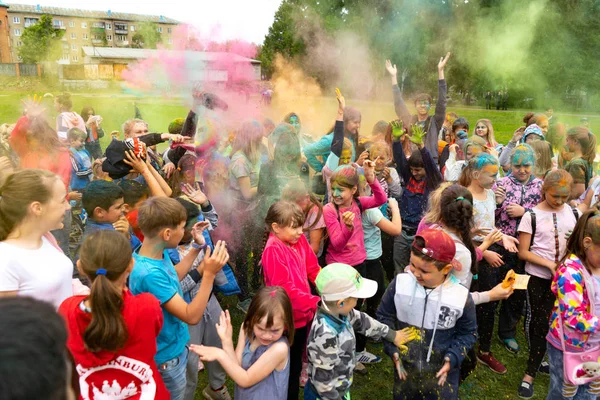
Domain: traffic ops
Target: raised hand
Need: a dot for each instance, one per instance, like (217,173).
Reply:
(341,101)
(391,68)
(214,260)
(369,168)
(224,328)
(397,130)
(443,61)
(197,230)
(137,163)
(417,135)
(33,106)
(194,194)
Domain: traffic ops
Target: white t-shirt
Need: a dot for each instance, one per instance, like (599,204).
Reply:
(370,219)
(544,242)
(44,274)
(484,213)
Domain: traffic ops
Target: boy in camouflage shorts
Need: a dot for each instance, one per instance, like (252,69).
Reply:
(331,341)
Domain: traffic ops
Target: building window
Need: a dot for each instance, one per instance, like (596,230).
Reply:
(84,24)
(75,58)
(109,26)
(109,37)
(159,29)
(65,57)
(73,47)
(30,21)
(169,30)
(169,41)
(20,58)
(85,36)
(16,20)
(73,35)
(121,38)
(17,32)
(71,24)
(57,23)
(132,27)
(19,44)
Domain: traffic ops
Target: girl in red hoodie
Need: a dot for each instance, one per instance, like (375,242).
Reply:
(289,261)
(112,333)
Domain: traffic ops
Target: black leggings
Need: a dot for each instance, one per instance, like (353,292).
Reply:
(540,301)
(487,278)
(296,353)
(370,269)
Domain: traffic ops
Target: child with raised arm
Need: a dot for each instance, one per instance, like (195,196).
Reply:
(162,221)
(420,176)
(331,342)
(430,124)
(260,364)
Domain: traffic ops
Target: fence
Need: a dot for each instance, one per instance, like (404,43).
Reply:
(92,72)
(17,70)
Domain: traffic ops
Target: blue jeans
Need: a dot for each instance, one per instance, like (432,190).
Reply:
(557,383)
(173,374)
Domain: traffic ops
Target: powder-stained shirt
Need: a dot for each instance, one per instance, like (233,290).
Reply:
(331,346)
(240,167)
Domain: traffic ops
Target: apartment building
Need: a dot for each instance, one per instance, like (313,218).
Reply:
(82,28)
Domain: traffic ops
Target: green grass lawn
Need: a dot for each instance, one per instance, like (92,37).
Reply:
(317,115)
(378,383)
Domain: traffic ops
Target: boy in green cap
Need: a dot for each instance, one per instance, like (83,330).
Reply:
(331,341)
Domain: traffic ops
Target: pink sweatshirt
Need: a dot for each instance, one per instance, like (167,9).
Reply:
(291,267)
(345,245)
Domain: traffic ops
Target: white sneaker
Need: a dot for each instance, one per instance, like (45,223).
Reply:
(367,358)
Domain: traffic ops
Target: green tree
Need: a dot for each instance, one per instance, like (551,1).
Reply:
(281,38)
(41,42)
(147,36)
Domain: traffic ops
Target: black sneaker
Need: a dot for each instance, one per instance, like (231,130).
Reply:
(526,390)
(544,368)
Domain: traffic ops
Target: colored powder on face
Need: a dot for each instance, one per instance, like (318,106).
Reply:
(491,169)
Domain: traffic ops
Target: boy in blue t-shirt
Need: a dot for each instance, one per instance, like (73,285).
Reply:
(81,161)
(162,221)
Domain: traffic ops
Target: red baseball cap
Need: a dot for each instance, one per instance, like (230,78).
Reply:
(438,245)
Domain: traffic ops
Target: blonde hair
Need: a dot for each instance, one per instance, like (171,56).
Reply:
(543,158)
(248,139)
(434,209)
(380,147)
(491,139)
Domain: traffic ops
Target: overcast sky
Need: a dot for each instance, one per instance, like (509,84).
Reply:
(232,19)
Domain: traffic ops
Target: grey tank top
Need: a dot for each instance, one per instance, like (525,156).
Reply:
(273,387)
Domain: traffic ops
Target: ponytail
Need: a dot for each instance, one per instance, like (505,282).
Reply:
(587,140)
(457,214)
(588,225)
(105,257)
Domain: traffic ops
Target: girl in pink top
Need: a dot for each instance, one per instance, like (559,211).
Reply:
(344,225)
(289,261)
(343,214)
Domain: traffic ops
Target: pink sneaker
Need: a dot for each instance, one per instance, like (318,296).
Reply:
(304,374)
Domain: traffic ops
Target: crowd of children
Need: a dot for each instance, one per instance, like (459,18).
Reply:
(413,237)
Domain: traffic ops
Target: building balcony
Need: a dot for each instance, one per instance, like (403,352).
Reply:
(121,31)
(97,41)
(98,25)
(123,43)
